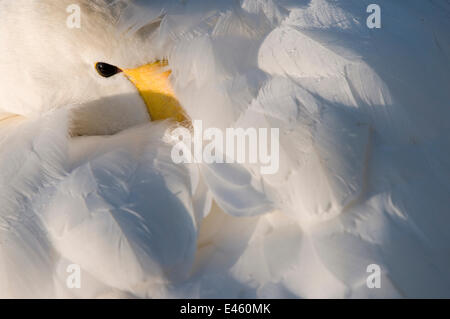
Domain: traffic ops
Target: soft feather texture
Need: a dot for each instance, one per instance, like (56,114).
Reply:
(363,147)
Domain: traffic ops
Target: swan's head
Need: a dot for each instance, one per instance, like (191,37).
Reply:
(108,75)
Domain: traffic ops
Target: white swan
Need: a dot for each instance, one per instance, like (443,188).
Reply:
(87,179)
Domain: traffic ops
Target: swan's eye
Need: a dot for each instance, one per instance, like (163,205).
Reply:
(106,70)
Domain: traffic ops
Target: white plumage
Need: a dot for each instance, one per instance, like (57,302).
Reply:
(364,161)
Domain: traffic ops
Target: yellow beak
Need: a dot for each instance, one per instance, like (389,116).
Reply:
(152,82)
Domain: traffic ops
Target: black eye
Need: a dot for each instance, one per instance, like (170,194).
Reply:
(106,70)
